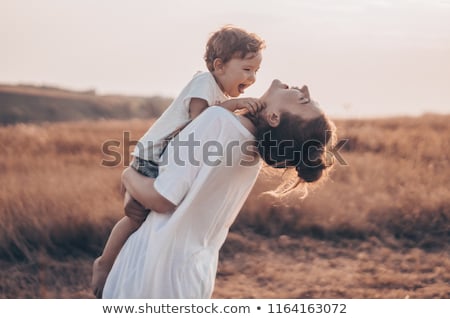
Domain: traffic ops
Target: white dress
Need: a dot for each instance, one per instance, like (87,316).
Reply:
(175,255)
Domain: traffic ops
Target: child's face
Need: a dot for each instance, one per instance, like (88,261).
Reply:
(238,74)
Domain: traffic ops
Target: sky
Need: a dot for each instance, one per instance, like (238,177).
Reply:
(360,58)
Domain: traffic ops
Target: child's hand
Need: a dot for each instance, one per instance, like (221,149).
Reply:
(252,105)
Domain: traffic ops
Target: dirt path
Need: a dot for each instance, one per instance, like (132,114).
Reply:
(308,268)
(253,266)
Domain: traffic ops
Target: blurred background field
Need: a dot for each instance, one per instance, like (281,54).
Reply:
(379,227)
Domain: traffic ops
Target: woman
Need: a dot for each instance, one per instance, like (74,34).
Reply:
(198,194)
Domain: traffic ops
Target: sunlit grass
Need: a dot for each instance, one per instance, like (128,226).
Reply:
(57,198)
(391,201)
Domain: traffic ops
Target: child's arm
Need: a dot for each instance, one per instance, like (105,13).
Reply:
(197,106)
(251,104)
(141,188)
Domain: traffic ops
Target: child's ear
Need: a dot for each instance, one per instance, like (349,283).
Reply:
(218,65)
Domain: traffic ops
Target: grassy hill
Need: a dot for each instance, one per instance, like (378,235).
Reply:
(32,104)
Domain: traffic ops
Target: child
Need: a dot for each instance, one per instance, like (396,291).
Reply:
(233,56)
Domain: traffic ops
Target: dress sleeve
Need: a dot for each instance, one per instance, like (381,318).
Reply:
(183,158)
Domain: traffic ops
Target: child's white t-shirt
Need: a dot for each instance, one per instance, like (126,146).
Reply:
(202,86)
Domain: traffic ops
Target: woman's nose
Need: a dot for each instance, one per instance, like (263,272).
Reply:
(278,83)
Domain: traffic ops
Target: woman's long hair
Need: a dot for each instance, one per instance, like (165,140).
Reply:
(296,143)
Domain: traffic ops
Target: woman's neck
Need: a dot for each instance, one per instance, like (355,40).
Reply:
(249,121)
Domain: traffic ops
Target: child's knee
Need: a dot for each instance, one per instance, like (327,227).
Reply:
(136,212)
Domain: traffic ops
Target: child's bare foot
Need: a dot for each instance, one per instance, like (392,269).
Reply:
(99,275)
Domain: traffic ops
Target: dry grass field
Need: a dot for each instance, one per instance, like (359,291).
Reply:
(378,228)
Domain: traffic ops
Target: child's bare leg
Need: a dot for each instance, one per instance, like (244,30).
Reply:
(103,264)
(135,216)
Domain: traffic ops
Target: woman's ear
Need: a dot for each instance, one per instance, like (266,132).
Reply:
(218,65)
(273,118)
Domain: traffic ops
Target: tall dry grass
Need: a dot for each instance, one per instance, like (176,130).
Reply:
(55,195)
(58,200)
(394,186)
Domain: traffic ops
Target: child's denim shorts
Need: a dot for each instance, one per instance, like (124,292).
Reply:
(145,167)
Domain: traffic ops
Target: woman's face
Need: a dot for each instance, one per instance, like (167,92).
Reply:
(279,98)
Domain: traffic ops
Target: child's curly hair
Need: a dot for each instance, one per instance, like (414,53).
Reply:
(229,42)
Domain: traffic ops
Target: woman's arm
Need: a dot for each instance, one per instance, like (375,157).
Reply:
(141,188)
